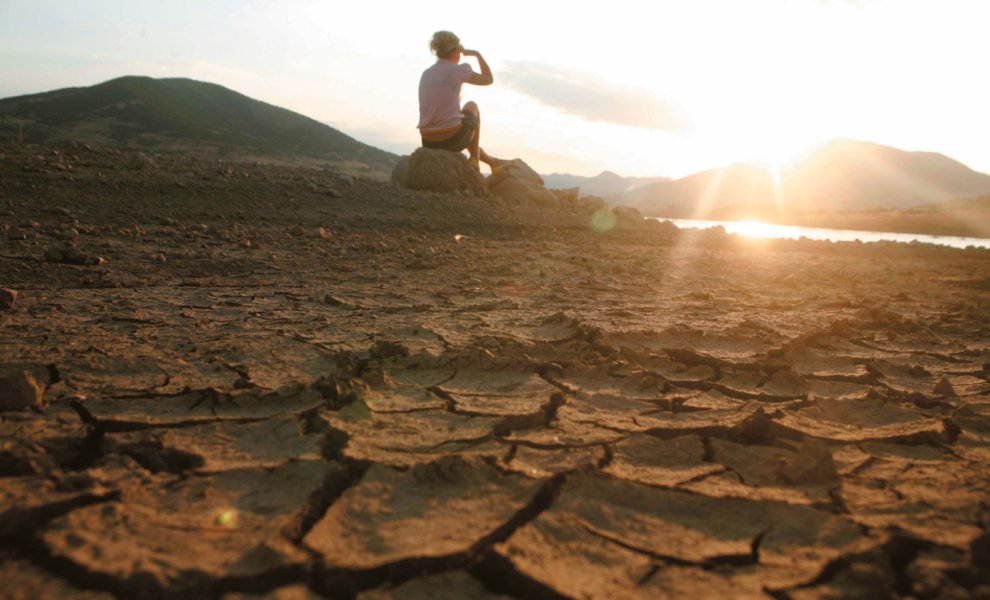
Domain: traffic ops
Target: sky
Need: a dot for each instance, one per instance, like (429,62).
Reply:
(661,88)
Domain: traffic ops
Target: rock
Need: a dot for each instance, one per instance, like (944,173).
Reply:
(19,391)
(7,298)
(74,256)
(516,169)
(348,180)
(944,388)
(297,230)
(567,195)
(139,161)
(592,203)
(69,234)
(334,193)
(627,217)
(520,184)
(522,191)
(53,255)
(400,170)
(439,171)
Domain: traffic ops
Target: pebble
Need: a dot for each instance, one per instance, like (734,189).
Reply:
(53,255)
(944,388)
(297,230)
(19,391)
(7,298)
(334,193)
(69,234)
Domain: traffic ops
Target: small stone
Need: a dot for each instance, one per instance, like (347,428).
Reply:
(19,391)
(346,179)
(7,298)
(53,255)
(334,193)
(139,161)
(325,234)
(74,256)
(69,234)
(297,230)
(330,300)
(944,387)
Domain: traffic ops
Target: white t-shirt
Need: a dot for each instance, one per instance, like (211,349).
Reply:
(440,95)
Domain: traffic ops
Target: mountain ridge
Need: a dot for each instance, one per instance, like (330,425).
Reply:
(835,176)
(180,113)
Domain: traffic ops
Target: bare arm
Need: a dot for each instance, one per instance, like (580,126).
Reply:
(483,78)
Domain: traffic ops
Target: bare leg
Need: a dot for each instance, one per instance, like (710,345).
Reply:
(474,147)
(490,160)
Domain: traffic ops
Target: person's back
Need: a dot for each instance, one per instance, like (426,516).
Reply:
(440,95)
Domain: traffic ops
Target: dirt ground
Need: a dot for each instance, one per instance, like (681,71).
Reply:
(262,381)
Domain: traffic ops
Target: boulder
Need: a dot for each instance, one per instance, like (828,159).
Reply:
(626,216)
(592,203)
(569,195)
(522,191)
(399,171)
(518,183)
(438,171)
(515,169)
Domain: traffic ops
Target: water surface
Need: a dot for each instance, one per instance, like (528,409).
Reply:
(768,230)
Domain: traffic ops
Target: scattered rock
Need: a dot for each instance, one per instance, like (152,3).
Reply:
(19,391)
(7,298)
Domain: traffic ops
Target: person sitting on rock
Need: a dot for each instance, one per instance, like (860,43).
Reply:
(443,123)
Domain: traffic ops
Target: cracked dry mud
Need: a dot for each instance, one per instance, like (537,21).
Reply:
(283,383)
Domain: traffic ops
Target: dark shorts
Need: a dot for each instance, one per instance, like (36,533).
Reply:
(461,139)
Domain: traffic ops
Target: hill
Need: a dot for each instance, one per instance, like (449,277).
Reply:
(605,185)
(181,114)
(836,177)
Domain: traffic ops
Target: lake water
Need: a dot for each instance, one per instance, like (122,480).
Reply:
(768,230)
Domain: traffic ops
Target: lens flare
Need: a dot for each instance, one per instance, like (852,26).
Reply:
(602,220)
(227,518)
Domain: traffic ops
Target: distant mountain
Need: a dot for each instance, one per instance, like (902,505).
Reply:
(838,176)
(605,185)
(179,114)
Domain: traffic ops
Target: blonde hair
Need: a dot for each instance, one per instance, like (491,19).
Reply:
(445,43)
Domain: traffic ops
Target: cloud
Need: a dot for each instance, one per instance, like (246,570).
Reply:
(592,98)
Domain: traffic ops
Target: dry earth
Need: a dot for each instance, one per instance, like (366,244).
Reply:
(290,383)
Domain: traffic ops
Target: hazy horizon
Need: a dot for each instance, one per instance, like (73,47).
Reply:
(665,91)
